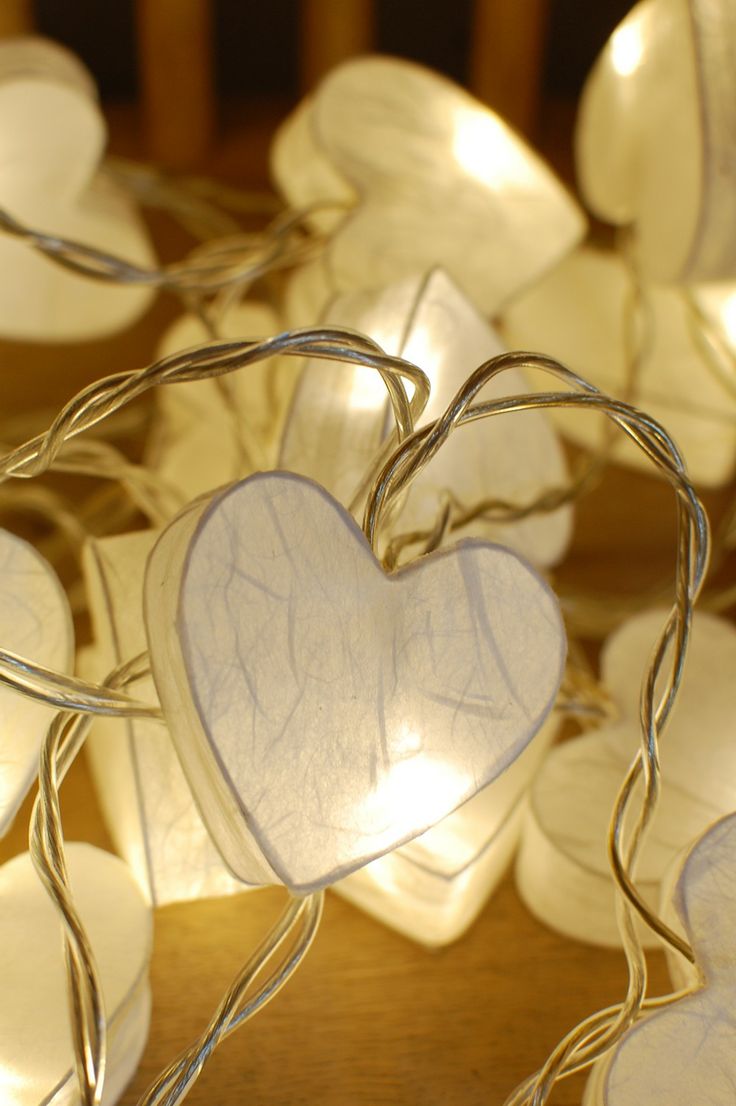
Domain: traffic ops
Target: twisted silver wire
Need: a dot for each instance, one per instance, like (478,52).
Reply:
(238,260)
(414,450)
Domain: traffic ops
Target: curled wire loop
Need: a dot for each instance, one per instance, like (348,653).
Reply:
(596,1035)
(101,399)
(411,451)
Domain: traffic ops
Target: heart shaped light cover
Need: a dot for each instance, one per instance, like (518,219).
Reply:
(655,136)
(431,177)
(36,1054)
(324,712)
(148,806)
(340,415)
(563,872)
(684,1053)
(52,138)
(581,313)
(36,623)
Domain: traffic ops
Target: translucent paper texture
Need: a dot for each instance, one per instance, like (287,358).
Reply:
(410,171)
(325,713)
(146,801)
(212,432)
(684,1054)
(563,872)
(340,416)
(52,138)
(584,313)
(655,136)
(36,623)
(434,887)
(36,1054)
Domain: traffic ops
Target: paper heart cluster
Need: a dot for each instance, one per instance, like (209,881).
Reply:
(52,138)
(36,1054)
(35,623)
(410,172)
(340,415)
(563,872)
(584,313)
(655,137)
(325,713)
(686,1053)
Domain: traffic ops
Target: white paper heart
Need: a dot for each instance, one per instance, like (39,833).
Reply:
(210,433)
(52,137)
(685,1054)
(148,806)
(325,713)
(655,136)
(438,178)
(36,623)
(563,872)
(341,414)
(581,314)
(36,1054)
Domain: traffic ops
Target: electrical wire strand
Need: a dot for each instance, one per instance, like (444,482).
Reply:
(412,451)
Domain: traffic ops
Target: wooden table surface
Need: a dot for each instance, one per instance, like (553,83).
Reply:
(370,1018)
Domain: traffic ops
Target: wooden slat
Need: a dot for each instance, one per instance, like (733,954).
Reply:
(506,57)
(16,17)
(330,32)
(176,71)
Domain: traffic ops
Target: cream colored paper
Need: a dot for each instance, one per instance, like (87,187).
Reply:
(52,139)
(36,1054)
(584,314)
(655,137)
(146,801)
(323,712)
(418,173)
(340,415)
(563,872)
(211,432)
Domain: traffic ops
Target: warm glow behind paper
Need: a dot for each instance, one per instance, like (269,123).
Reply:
(52,137)
(655,137)
(685,1053)
(212,432)
(36,1057)
(340,415)
(268,616)
(425,175)
(144,796)
(433,888)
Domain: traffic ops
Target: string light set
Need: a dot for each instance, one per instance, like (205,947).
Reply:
(326,646)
